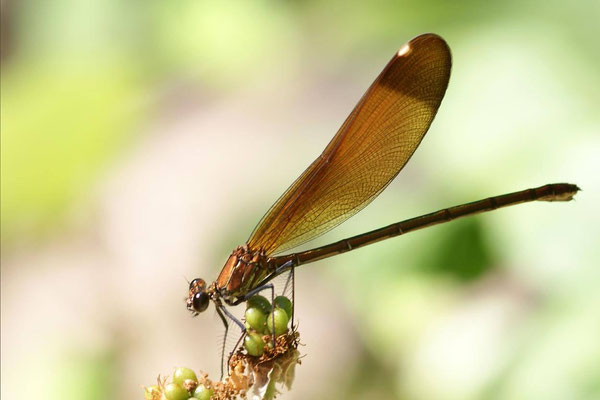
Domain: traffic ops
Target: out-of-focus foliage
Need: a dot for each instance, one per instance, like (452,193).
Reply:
(97,148)
(59,129)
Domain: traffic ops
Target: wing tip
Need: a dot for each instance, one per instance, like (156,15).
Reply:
(432,39)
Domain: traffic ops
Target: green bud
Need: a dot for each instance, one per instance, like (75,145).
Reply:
(182,373)
(285,304)
(281,321)
(173,391)
(254,344)
(256,318)
(260,302)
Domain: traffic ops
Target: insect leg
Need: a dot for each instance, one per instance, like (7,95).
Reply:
(222,311)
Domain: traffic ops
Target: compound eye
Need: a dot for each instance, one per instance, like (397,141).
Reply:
(200,301)
(199,283)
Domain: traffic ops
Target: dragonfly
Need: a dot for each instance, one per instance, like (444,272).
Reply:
(371,147)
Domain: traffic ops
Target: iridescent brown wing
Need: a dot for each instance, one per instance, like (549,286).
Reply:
(372,146)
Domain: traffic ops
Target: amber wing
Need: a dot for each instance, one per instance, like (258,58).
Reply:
(372,146)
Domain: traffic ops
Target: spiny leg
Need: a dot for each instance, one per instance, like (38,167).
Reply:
(244,333)
(222,311)
(226,324)
(292,277)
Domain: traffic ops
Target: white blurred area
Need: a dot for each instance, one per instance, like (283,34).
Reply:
(95,304)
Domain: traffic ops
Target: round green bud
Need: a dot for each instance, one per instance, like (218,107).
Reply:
(203,393)
(285,304)
(280,317)
(254,344)
(173,391)
(260,302)
(182,373)
(256,319)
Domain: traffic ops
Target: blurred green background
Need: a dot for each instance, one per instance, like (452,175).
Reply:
(141,142)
